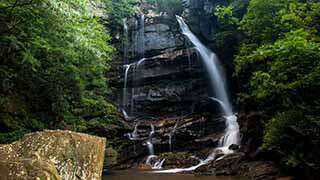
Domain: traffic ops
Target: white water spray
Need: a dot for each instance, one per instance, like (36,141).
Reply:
(134,135)
(149,142)
(154,162)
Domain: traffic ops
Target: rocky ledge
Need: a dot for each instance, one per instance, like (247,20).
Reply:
(53,155)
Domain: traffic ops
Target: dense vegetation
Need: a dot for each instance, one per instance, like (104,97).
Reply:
(277,64)
(54,58)
(171,7)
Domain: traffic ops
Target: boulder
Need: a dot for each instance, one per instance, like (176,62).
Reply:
(53,155)
(178,159)
(226,166)
(30,168)
(234,147)
(259,170)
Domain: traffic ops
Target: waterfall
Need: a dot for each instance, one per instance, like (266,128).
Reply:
(212,65)
(216,75)
(149,142)
(125,100)
(152,159)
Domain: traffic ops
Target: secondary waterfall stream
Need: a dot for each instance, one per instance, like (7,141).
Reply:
(139,49)
(216,76)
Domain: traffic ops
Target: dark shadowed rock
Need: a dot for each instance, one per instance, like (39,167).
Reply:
(229,165)
(259,170)
(234,147)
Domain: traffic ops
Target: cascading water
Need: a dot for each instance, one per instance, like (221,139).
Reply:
(212,65)
(216,76)
(214,70)
(125,98)
(149,142)
(152,159)
(134,135)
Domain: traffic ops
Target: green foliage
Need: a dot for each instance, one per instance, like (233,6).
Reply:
(225,15)
(54,58)
(278,67)
(290,133)
(172,7)
(261,22)
(290,64)
(117,10)
(279,126)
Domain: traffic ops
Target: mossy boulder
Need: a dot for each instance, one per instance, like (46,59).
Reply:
(178,159)
(54,155)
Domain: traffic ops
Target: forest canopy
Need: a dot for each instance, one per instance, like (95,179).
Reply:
(277,66)
(54,58)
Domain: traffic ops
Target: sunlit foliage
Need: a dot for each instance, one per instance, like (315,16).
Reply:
(54,56)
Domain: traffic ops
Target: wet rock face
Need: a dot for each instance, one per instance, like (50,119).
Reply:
(188,133)
(168,83)
(198,15)
(160,34)
(251,128)
(53,155)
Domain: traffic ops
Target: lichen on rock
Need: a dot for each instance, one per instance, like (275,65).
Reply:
(54,155)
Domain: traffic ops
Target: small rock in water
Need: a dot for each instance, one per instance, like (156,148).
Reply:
(234,147)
